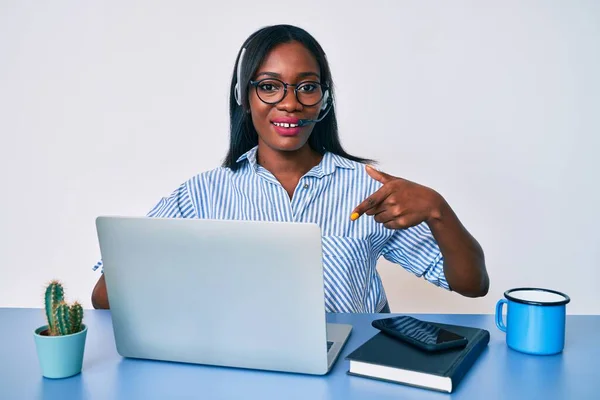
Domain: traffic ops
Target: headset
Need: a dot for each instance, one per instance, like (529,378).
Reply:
(327,100)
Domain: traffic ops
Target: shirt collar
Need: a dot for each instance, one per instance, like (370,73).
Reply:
(327,166)
(250,156)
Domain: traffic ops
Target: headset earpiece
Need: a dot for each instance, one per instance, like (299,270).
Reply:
(325,100)
(237,90)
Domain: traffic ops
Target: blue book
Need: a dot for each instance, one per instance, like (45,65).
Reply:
(389,359)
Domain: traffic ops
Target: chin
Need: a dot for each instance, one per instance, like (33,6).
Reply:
(287,143)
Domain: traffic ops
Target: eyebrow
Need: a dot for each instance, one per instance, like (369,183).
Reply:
(300,75)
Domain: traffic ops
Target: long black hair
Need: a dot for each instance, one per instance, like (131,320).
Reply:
(243,136)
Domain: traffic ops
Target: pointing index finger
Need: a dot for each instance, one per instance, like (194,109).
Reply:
(370,202)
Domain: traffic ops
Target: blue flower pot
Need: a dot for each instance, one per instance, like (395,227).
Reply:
(60,356)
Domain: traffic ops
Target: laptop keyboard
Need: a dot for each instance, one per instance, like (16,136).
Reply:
(329,344)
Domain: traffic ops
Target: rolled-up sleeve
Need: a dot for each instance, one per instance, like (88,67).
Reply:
(417,251)
(177,205)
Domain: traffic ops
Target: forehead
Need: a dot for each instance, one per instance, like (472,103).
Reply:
(289,59)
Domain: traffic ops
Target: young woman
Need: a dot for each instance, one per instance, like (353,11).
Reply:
(285,163)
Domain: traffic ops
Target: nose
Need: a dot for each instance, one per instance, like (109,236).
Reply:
(289,103)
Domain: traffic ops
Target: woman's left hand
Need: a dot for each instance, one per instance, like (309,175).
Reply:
(399,203)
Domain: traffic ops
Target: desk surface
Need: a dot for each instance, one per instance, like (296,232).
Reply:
(500,373)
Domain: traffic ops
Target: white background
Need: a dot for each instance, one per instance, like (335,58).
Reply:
(107,106)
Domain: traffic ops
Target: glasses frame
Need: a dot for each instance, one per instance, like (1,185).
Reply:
(324,87)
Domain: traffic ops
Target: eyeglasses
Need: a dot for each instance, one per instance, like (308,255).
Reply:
(272,91)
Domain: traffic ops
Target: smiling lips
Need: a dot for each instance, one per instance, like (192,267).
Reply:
(286,126)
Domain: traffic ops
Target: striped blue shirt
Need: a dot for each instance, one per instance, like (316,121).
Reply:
(325,195)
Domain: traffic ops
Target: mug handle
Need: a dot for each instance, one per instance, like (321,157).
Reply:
(499,323)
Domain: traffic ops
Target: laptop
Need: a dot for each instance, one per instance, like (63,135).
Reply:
(244,294)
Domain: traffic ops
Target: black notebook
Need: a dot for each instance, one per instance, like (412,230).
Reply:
(389,359)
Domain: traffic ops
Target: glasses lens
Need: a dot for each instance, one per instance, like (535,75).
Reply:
(270,90)
(310,93)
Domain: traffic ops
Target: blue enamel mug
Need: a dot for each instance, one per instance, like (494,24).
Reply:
(535,320)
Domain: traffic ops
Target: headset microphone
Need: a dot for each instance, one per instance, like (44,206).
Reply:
(327,103)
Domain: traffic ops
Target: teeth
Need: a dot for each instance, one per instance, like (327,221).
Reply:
(285,125)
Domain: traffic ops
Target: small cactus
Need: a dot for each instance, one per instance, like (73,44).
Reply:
(76,315)
(54,295)
(62,318)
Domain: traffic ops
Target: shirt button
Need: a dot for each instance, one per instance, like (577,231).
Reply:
(306,186)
